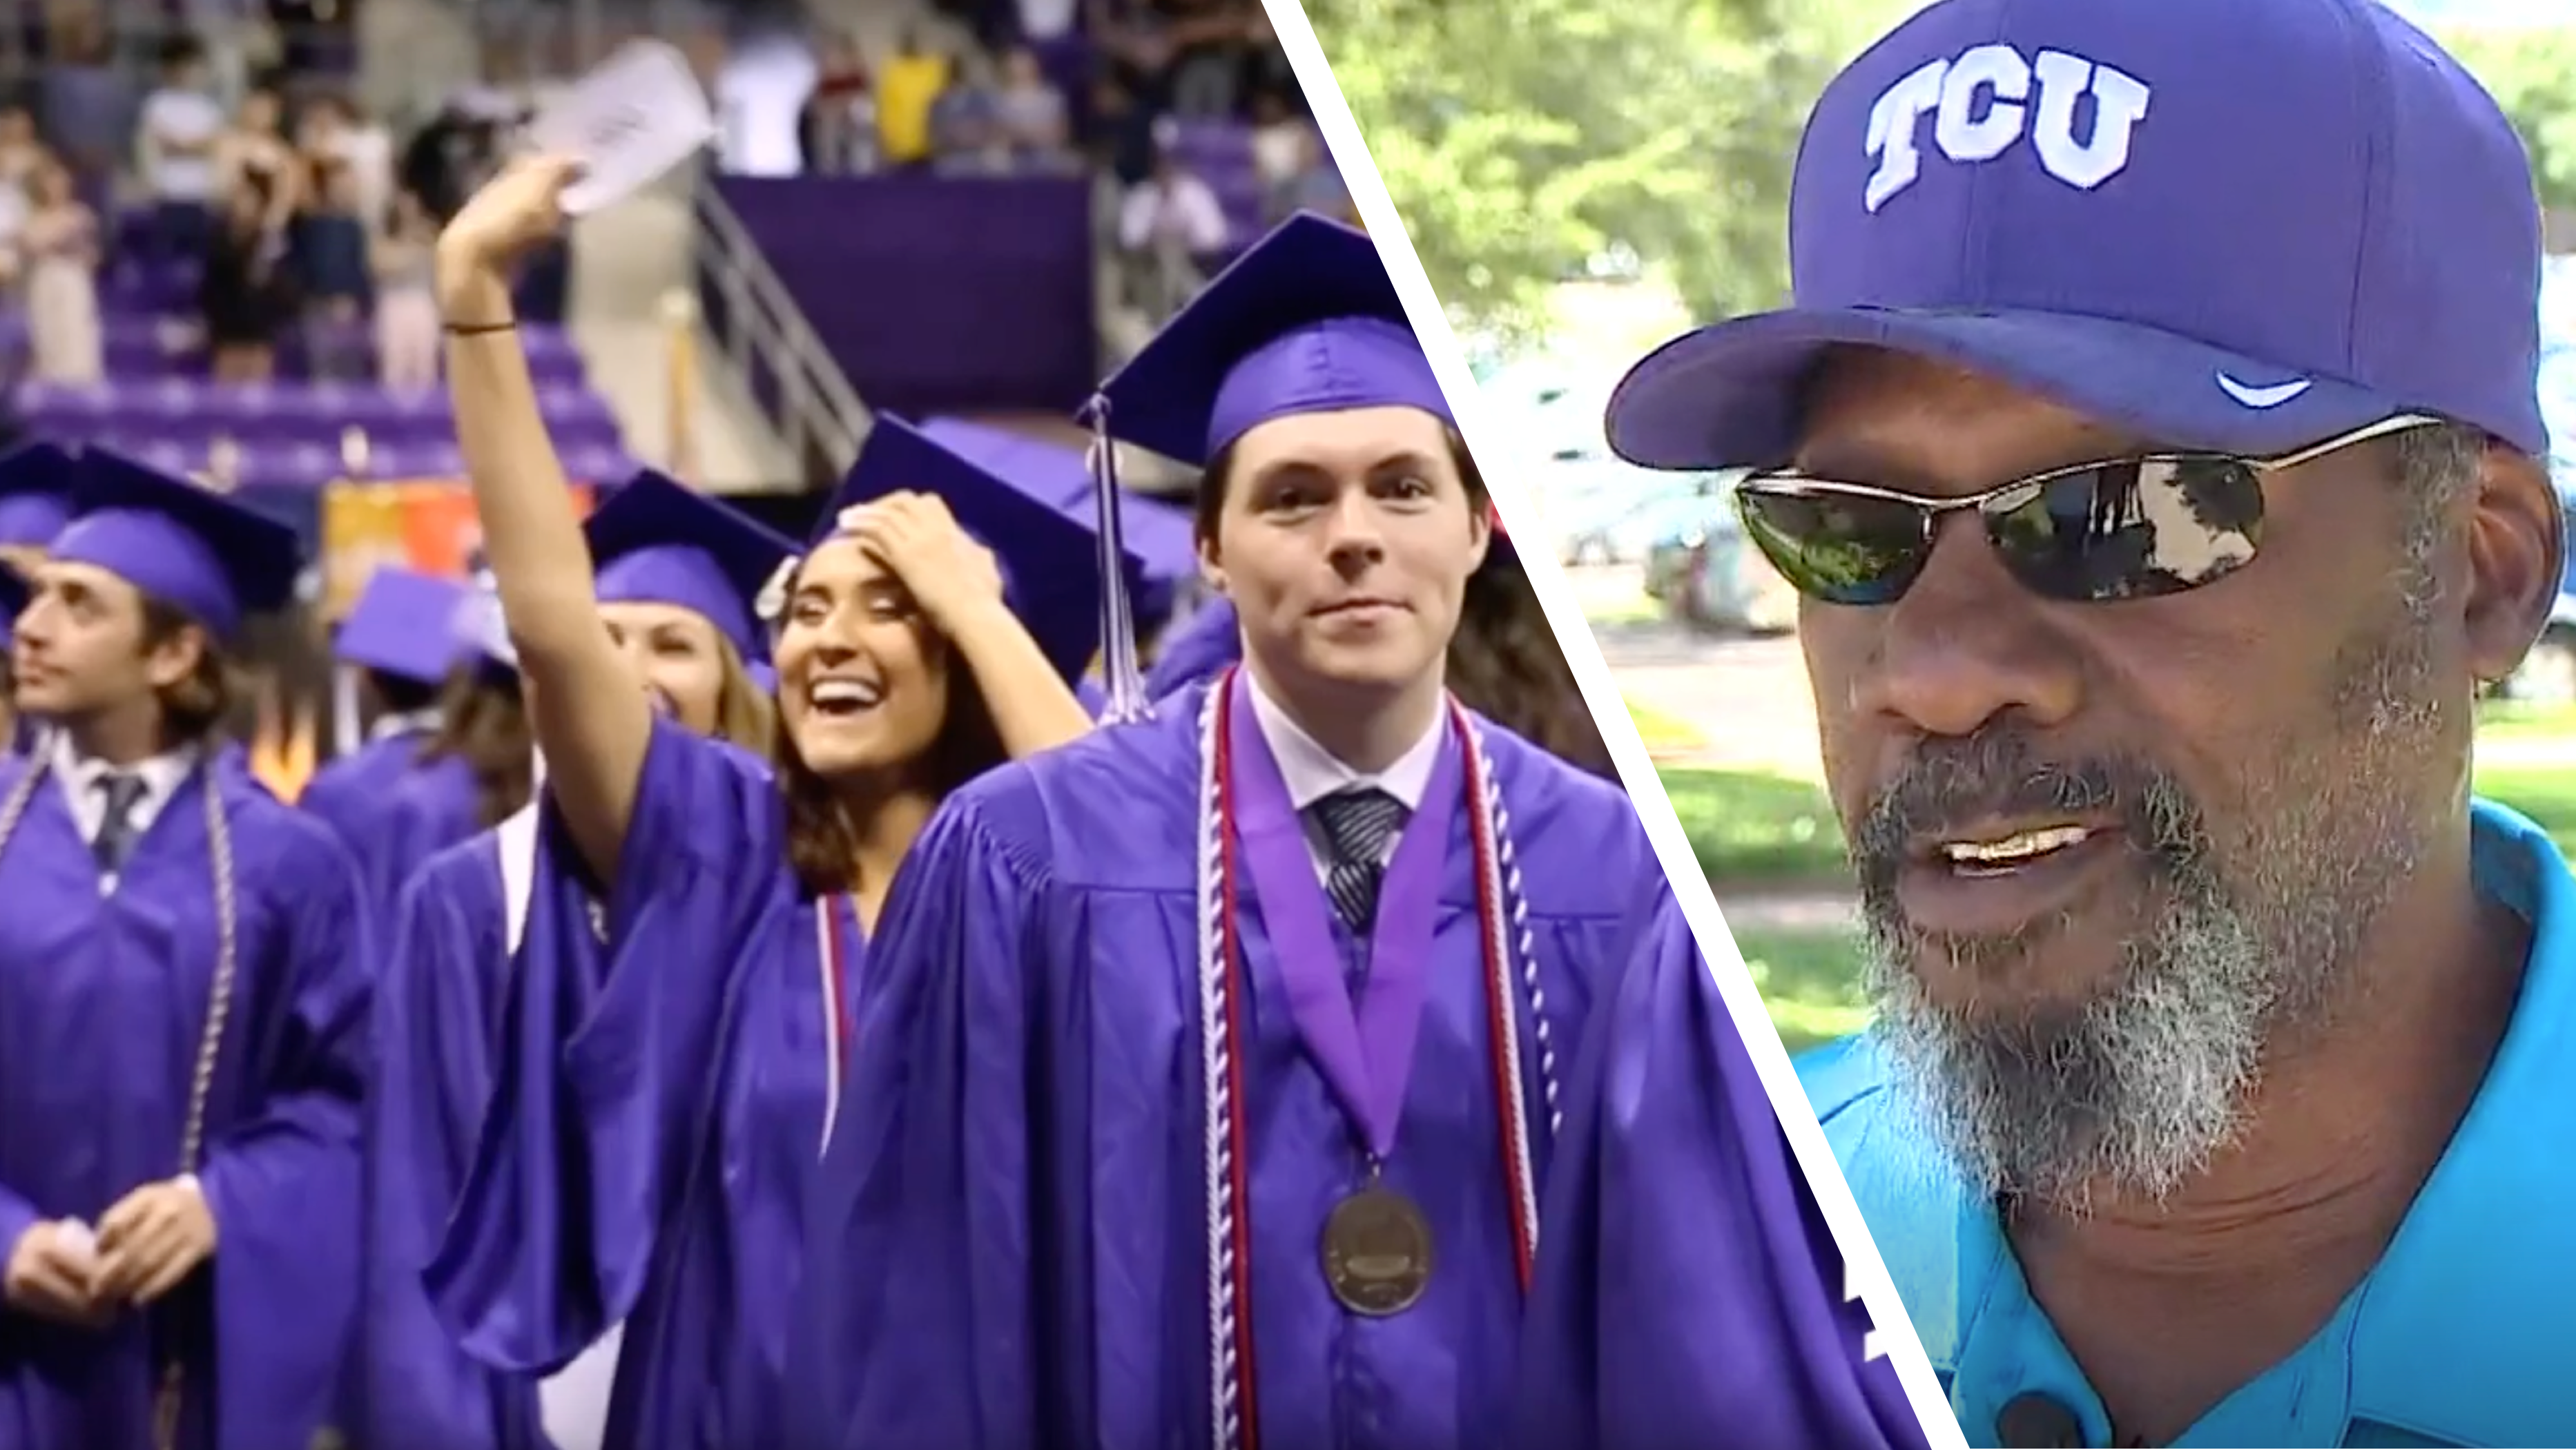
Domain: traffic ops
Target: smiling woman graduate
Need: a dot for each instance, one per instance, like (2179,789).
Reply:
(668,1064)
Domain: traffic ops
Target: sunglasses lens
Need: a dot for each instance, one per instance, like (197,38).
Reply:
(1836,547)
(2136,529)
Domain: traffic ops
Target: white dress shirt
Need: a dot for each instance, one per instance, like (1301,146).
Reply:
(162,775)
(1313,773)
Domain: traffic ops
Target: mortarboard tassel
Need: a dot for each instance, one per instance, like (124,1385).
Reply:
(1128,704)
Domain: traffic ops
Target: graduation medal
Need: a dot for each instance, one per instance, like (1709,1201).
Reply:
(201,1078)
(1377,1252)
(1376,1247)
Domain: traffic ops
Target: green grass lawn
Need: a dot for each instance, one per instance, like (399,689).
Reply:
(1759,830)
(2511,720)
(1664,734)
(1749,826)
(1807,981)
(1753,828)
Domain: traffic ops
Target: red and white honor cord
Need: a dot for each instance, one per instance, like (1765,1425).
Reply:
(1505,932)
(840,1023)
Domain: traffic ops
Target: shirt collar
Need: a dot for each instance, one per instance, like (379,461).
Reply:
(162,775)
(1312,772)
(2451,1335)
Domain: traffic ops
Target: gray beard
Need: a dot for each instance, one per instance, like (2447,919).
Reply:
(2135,1089)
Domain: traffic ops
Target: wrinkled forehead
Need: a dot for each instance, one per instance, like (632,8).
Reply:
(1880,416)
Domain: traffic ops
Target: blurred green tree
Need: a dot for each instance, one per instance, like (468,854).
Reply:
(1526,143)
(1529,142)
(2533,75)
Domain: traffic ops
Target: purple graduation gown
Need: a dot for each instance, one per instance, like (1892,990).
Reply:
(658,1106)
(1009,1232)
(349,794)
(438,1005)
(1200,648)
(102,1005)
(425,810)
(1689,1292)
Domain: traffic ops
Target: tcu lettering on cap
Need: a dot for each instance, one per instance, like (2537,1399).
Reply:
(1982,103)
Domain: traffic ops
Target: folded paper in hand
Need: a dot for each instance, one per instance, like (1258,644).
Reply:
(630,121)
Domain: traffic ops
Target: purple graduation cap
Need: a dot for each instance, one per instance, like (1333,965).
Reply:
(478,629)
(657,541)
(1307,321)
(1157,534)
(403,625)
(1050,574)
(35,495)
(178,542)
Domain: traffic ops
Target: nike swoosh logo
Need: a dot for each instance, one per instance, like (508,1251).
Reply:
(2271,397)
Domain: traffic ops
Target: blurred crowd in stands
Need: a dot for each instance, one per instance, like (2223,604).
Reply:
(1185,111)
(209,172)
(248,168)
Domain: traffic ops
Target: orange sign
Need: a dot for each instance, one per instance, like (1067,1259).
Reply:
(423,524)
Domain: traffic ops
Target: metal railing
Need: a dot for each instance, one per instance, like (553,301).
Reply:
(765,341)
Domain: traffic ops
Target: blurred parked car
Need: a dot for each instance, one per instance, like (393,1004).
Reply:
(1609,511)
(1735,589)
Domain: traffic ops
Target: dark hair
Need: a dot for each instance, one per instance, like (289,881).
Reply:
(1506,665)
(822,843)
(1209,503)
(183,50)
(402,696)
(204,705)
(483,721)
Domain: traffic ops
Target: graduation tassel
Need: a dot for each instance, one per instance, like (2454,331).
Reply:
(1127,702)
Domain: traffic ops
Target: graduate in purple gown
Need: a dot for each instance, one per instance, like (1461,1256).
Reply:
(678,577)
(182,1027)
(664,1081)
(472,771)
(1690,1293)
(1208,1067)
(399,636)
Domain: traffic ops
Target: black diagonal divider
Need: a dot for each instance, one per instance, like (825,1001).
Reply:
(1618,733)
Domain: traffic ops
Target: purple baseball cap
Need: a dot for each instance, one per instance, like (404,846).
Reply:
(2243,225)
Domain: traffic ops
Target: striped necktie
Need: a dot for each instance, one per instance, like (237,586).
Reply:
(1358,823)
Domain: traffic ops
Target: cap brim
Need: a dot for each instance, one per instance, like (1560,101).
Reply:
(1729,396)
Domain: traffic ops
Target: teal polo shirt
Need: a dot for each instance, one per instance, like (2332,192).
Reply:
(2454,1339)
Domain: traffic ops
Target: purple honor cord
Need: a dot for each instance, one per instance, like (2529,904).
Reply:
(1365,1050)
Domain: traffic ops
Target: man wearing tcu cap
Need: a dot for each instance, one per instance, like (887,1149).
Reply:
(2153,440)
